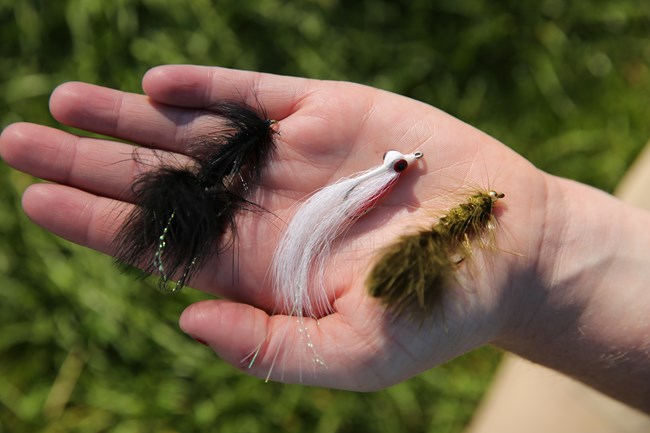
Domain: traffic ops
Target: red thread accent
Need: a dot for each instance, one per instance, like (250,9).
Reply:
(375,199)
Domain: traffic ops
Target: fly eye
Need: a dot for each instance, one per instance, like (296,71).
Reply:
(400,165)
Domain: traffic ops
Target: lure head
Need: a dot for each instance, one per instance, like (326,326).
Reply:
(484,201)
(272,125)
(399,161)
(495,195)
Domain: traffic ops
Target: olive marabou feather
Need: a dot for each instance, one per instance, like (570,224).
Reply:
(411,274)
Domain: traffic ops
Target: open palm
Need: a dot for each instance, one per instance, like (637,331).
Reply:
(327,130)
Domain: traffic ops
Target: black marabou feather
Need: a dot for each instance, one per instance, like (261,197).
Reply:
(183,212)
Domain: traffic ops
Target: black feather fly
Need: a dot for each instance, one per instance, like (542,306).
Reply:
(182,212)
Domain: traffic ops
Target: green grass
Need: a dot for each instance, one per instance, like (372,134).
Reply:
(85,349)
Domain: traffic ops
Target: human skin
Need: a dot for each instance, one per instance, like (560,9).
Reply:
(567,286)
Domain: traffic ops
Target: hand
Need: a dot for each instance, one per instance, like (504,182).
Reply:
(327,130)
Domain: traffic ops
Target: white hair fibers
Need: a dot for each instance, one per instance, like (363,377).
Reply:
(302,253)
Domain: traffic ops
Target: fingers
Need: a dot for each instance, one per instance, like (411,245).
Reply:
(97,166)
(77,216)
(138,119)
(279,347)
(202,86)
(92,221)
(128,116)
(328,112)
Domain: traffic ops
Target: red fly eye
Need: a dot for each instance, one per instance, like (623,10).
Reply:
(400,165)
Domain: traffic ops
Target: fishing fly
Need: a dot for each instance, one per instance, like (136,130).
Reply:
(302,253)
(410,275)
(183,211)
(300,258)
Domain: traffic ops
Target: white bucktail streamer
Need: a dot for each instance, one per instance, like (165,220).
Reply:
(302,253)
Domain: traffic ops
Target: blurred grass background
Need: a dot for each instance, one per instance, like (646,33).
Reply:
(85,349)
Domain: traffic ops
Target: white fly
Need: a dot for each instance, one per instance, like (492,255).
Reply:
(301,255)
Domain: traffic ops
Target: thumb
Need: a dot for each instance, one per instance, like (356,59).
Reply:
(274,347)
(228,326)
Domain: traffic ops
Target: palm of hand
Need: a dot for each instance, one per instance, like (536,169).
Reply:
(327,130)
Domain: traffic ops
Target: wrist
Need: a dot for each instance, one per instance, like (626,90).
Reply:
(585,310)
